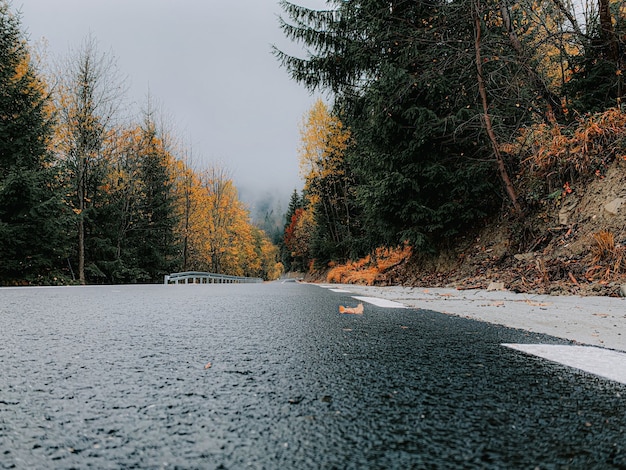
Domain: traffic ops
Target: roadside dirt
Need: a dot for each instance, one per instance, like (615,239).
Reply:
(574,244)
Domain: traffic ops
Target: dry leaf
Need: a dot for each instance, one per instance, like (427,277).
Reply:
(358,310)
(208,365)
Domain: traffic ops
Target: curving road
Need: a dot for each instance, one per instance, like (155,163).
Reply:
(271,376)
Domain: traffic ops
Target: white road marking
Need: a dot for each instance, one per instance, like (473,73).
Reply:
(340,290)
(380,302)
(598,361)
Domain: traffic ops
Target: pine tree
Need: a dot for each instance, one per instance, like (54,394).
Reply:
(597,79)
(156,220)
(31,215)
(295,203)
(405,84)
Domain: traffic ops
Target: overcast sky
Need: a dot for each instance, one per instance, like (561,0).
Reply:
(208,63)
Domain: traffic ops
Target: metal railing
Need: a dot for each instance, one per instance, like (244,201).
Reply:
(194,277)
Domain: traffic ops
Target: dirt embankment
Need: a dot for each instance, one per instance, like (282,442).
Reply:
(576,244)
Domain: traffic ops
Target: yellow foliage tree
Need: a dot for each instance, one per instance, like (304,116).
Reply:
(324,140)
(215,229)
(328,182)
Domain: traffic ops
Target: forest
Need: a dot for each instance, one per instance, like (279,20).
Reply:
(93,193)
(437,117)
(440,116)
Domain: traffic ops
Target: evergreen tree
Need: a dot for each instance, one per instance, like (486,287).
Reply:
(597,81)
(405,83)
(134,241)
(31,215)
(295,202)
(154,234)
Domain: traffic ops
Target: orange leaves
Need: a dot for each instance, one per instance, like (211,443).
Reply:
(609,257)
(552,154)
(358,310)
(372,268)
(298,232)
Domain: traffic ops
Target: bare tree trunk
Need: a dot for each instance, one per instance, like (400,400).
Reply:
(504,175)
(81,220)
(607,32)
(186,227)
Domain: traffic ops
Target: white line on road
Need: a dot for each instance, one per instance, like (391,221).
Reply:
(340,290)
(598,361)
(380,302)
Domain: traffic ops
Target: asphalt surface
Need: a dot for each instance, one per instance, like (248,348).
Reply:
(272,376)
(598,321)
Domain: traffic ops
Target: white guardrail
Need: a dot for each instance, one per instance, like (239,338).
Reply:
(193,277)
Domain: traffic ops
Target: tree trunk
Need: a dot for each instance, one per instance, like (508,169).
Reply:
(504,175)
(81,219)
(607,33)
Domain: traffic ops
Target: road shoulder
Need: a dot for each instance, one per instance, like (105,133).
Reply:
(598,321)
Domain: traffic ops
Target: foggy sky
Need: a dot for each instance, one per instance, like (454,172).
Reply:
(208,63)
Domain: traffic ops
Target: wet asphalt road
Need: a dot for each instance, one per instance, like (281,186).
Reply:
(115,377)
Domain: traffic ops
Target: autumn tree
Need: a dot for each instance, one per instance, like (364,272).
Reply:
(269,268)
(223,220)
(298,238)
(184,186)
(135,213)
(329,184)
(31,214)
(216,228)
(88,96)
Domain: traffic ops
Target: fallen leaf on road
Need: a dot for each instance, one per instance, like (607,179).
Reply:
(208,365)
(601,315)
(358,310)
(404,327)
